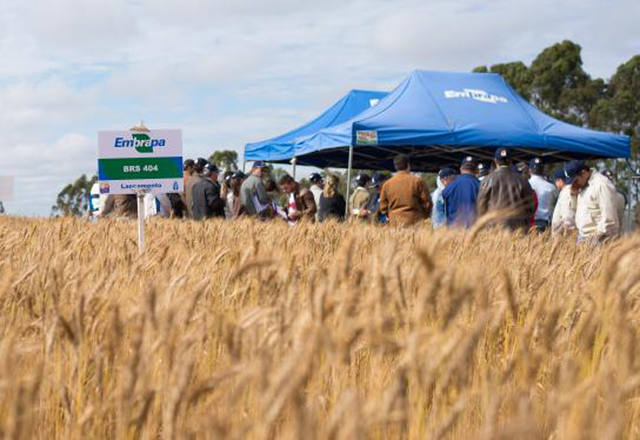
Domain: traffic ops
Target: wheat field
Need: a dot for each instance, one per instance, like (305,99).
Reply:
(333,331)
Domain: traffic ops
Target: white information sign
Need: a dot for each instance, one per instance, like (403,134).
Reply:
(129,161)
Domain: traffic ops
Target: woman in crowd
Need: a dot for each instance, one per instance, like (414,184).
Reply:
(332,204)
(233,208)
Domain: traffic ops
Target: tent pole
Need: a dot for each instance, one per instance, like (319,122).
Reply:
(294,161)
(348,192)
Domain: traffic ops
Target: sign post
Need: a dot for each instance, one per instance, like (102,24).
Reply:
(140,197)
(140,161)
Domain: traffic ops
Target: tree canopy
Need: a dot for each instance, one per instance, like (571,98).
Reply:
(225,159)
(74,198)
(557,84)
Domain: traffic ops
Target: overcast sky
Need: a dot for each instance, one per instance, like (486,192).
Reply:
(228,72)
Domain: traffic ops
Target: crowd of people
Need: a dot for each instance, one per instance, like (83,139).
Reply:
(576,199)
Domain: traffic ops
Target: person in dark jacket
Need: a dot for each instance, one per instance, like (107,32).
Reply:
(507,193)
(332,204)
(461,195)
(205,194)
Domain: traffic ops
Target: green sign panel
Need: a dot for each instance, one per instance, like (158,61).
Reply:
(140,168)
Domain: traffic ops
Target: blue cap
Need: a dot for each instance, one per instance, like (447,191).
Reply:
(558,174)
(378,178)
(468,162)
(536,163)
(315,177)
(211,167)
(572,169)
(483,169)
(446,172)
(259,164)
(502,153)
(363,179)
(200,164)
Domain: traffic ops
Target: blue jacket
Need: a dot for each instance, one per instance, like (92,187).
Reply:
(460,200)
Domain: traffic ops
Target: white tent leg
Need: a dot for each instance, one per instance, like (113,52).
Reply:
(348,192)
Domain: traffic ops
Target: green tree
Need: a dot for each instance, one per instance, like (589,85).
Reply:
(517,74)
(73,199)
(561,87)
(619,111)
(276,172)
(225,159)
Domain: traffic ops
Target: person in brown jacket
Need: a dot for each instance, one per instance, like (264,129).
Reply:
(508,194)
(404,198)
(301,204)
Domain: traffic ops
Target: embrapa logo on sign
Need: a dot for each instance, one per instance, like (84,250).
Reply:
(140,141)
(476,95)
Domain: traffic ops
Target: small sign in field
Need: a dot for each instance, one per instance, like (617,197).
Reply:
(132,161)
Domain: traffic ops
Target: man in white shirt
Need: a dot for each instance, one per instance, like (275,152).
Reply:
(546,193)
(597,218)
(564,213)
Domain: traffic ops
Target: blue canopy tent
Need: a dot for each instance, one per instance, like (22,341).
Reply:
(439,117)
(281,148)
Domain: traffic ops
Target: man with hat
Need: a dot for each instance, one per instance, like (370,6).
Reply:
(439,216)
(374,202)
(205,194)
(546,193)
(558,179)
(563,220)
(507,193)
(597,217)
(460,197)
(483,171)
(316,188)
(253,195)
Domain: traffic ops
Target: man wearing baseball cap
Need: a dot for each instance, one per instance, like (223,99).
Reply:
(374,202)
(507,193)
(596,212)
(546,193)
(460,198)
(439,216)
(483,171)
(563,220)
(253,196)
